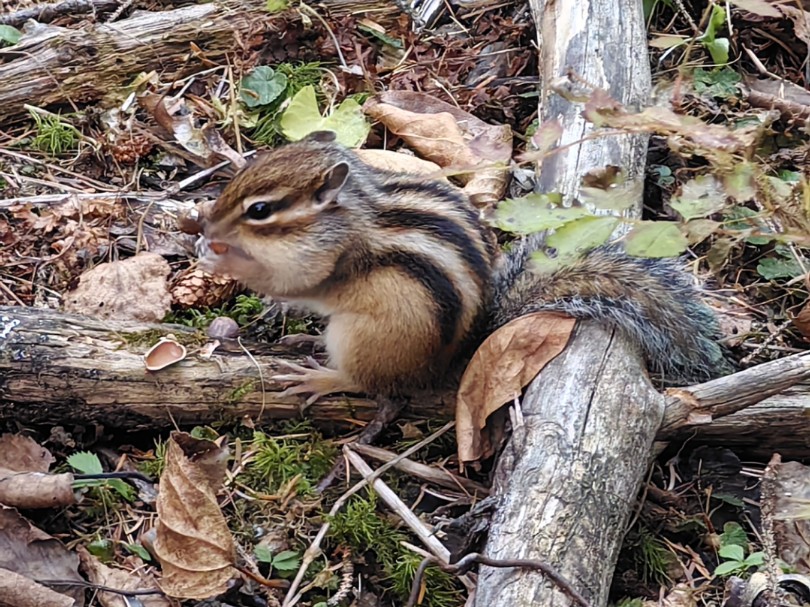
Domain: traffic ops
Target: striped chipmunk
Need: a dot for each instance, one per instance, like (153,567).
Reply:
(409,278)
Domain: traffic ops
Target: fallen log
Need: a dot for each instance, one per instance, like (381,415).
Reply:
(56,66)
(57,368)
(568,478)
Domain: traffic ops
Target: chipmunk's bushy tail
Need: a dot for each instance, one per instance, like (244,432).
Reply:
(654,301)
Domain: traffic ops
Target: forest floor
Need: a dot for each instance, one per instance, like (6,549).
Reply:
(79,185)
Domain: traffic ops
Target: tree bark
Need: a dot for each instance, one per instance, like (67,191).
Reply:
(569,477)
(59,66)
(57,368)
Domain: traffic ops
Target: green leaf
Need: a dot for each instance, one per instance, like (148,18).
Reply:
(103,549)
(755,559)
(716,21)
(723,82)
(698,230)
(656,239)
(122,488)
(262,86)
(288,560)
(10,35)
(733,552)
(699,197)
(772,268)
(85,463)
(276,6)
(728,567)
(741,183)
(733,535)
(535,213)
(138,551)
(303,117)
(349,122)
(381,36)
(718,49)
(581,235)
(263,554)
(543,264)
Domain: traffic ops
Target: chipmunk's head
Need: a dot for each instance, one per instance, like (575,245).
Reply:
(278,226)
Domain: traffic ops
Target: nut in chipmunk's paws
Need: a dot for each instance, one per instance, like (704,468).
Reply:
(315,380)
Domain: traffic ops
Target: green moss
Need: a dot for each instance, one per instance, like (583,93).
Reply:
(238,393)
(302,452)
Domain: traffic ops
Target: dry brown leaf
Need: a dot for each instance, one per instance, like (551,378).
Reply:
(388,160)
(450,137)
(32,553)
(802,321)
(130,289)
(501,367)
(98,573)
(24,479)
(19,591)
(34,490)
(23,454)
(193,543)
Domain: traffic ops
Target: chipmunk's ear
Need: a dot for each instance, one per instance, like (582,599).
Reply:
(333,181)
(322,136)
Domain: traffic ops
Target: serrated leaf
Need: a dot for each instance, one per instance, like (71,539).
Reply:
(534,213)
(9,34)
(733,535)
(656,239)
(772,268)
(699,197)
(581,235)
(288,560)
(698,230)
(303,117)
(262,86)
(85,463)
(547,135)
(727,567)
(741,184)
(263,554)
(732,551)
(122,488)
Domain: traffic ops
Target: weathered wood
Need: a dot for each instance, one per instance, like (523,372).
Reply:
(569,477)
(59,66)
(58,368)
(690,408)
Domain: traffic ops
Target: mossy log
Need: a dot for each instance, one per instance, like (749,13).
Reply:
(57,368)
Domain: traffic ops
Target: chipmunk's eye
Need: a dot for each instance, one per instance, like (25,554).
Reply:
(259,211)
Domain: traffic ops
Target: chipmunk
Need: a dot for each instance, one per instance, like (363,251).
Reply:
(410,279)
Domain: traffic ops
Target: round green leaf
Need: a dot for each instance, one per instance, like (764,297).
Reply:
(262,86)
(534,213)
(583,234)
(656,239)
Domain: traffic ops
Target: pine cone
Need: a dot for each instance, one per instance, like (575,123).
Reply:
(194,288)
(129,148)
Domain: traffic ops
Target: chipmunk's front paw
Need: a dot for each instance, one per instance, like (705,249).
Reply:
(317,381)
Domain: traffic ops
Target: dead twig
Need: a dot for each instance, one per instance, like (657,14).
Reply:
(466,563)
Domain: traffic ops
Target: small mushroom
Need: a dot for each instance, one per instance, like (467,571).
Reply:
(223,327)
(164,353)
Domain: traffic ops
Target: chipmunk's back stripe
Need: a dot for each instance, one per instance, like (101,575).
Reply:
(428,188)
(436,282)
(443,229)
